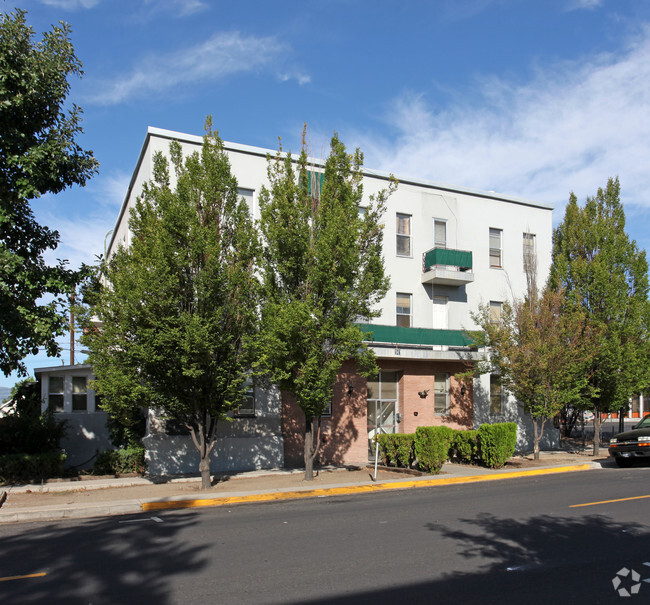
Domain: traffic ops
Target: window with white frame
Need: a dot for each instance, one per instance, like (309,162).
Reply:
(403,309)
(247,407)
(439,233)
(79,394)
(495,248)
(403,234)
(529,252)
(441,394)
(496,307)
(55,395)
(496,394)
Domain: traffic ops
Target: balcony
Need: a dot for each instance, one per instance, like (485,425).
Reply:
(397,335)
(446,267)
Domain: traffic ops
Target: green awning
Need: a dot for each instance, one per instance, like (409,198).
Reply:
(446,256)
(416,336)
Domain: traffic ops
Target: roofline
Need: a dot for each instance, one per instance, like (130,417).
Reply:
(64,368)
(172,135)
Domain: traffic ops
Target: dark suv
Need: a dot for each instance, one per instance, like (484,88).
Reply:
(629,446)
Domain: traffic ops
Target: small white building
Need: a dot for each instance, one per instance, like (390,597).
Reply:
(65,390)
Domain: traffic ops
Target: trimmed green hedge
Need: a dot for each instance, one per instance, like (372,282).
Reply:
(30,467)
(118,462)
(464,447)
(397,449)
(432,447)
(497,443)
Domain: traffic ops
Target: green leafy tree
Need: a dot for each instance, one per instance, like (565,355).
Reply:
(181,303)
(603,273)
(541,352)
(323,270)
(38,155)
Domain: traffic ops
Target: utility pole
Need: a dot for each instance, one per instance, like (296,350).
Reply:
(71,329)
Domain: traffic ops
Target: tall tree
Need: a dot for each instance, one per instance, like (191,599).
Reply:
(38,155)
(541,352)
(181,303)
(323,270)
(602,272)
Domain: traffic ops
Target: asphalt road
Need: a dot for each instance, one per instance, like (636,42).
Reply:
(520,540)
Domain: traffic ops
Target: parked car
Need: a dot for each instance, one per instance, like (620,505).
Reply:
(629,446)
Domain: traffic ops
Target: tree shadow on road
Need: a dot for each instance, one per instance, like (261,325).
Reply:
(121,559)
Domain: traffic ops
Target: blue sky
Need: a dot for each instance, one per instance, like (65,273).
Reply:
(534,98)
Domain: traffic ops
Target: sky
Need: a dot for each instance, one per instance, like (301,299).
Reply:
(531,98)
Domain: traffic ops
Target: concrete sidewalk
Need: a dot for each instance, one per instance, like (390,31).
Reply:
(131,495)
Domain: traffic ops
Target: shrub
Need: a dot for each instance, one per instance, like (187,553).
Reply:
(464,447)
(30,467)
(432,447)
(397,448)
(117,462)
(497,443)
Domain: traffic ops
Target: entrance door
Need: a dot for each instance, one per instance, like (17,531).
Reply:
(382,407)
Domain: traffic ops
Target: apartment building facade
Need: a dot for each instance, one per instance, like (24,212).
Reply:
(447,250)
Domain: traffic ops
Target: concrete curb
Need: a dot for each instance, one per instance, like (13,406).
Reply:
(184,502)
(136,506)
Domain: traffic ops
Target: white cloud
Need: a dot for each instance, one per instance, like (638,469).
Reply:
(71,5)
(569,128)
(221,55)
(584,4)
(184,7)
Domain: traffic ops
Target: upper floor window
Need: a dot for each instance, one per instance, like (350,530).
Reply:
(495,311)
(403,234)
(529,252)
(495,247)
(439,233)
(403,309)
(441,394)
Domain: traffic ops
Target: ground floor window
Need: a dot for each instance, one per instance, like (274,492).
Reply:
(79,394)
(55,393)
(247,407)
(496,394)
(441,394)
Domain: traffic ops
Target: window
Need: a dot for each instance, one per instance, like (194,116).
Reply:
(495,311)
(55,394)
(403,235)
(327,412)
(79,394)
(496,394)
(439,233)
(247,407)
(403,309)
(495,248)
(441,394)
(529,252)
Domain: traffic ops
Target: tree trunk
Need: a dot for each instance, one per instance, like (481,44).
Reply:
(204,469)
(536,438)
(203,438)
(596,431)
(311,447)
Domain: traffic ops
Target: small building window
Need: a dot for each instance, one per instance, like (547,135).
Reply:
(403,310)
(55,393)
(403,235)
(79,394)
(496,394)
(495,248)
(441,394)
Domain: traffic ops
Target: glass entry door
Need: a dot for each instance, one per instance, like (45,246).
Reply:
(382,407)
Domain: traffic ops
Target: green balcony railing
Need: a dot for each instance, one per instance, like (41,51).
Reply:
(446,256)
(416,336)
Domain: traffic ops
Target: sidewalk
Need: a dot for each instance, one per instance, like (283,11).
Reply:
(131,495)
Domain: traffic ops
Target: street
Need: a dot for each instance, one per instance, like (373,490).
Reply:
(521,540)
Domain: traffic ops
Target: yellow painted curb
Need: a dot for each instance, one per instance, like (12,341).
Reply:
(353,489)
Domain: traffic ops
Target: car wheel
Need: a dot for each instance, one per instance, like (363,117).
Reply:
(623,462)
